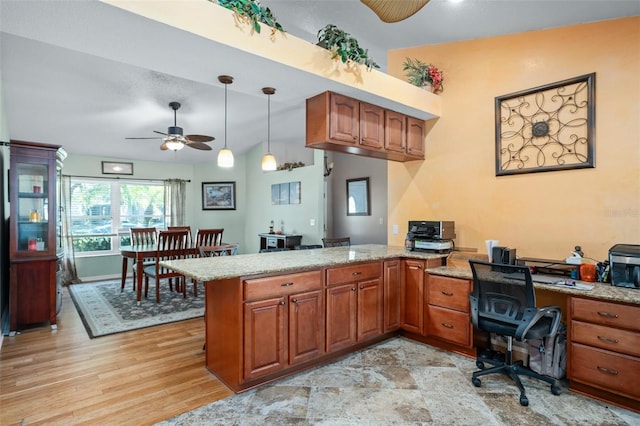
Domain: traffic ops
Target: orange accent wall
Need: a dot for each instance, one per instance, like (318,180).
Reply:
(540,214)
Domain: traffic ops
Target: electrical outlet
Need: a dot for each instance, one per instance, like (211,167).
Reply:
(381,221)
(394,229)
(312,222)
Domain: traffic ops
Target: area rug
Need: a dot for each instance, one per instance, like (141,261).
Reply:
(105,310)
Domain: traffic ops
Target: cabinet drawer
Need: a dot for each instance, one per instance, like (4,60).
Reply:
(448,324)
(604,369)
(606,313)
(345,274)
(610,338)
(262,288)
(452,293)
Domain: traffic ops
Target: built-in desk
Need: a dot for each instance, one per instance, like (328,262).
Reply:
(279,241)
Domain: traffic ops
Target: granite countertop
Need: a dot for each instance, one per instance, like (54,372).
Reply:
(602,291)
(221,267)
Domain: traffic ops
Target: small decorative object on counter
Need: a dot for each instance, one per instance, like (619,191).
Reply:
(271,231)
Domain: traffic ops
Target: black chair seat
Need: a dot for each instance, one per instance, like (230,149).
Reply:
(537,331)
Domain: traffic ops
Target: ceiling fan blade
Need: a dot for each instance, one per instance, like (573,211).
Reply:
(198,145)
(199,138)
(160,133)
(145,138)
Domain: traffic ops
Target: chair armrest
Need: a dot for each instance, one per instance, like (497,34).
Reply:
(533,315)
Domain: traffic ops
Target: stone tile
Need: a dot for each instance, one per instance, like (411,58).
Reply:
(338,403)
(280,401)
(388,377)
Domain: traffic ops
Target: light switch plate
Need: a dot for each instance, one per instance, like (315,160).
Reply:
(312,222)
(394,229)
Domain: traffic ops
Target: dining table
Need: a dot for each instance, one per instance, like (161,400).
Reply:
(140,252)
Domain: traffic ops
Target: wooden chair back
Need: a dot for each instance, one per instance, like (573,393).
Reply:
(209,237)
(172,245)
(336,242)
(142,236)
(182,228)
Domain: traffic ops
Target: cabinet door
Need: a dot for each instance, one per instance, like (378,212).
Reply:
(341,316)
(391,295)
(344,122)
(370,322)
(413,296)
(371,126)
(415,137)
(264,337)
(306,326)
(395,131)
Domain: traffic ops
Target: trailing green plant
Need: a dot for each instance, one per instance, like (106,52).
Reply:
(419,73)
(342,45)
(252,12)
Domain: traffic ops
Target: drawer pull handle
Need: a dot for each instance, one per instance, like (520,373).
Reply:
(447,293)
(414,267)
(607,314)
(355,274)
(283,303)
(608,371)
(286,284)
(294,300)
(447,325)
(361,287)
(353,289)
(607,339)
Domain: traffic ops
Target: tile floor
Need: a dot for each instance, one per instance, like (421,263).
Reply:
(401,382)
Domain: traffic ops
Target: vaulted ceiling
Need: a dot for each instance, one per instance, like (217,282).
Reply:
(86,75)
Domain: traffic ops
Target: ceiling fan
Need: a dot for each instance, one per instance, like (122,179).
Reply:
(175,140)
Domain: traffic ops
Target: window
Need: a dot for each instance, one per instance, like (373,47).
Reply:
(103,211)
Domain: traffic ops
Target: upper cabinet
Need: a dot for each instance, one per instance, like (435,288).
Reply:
(340,123)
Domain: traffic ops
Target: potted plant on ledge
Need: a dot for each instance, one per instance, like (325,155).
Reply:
(343,46)
(423,75)
(252,12)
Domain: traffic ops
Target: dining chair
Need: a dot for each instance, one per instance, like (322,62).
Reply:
(172,245)
(182,228)
(137,237)
(209,237)
(336,242)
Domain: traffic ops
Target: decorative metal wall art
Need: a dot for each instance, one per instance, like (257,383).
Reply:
(551,127)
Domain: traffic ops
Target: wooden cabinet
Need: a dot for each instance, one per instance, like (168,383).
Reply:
(604,350)
(448,312)
(35,227)
(415,138)
(340,123)
(392,295)
(354,298)
(283,322)
(412,298)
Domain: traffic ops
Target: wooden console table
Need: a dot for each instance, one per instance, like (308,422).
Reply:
(272,241)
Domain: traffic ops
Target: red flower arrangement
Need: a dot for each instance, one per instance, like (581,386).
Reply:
(419,73)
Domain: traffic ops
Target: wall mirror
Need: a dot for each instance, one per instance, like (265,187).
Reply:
(358,203)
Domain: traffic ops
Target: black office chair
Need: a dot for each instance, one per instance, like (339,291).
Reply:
(503,301)
(336,242)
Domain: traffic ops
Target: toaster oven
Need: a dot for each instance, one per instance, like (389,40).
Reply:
(624,261)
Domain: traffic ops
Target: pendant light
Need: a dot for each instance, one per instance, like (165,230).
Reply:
(269,161)
(225,156)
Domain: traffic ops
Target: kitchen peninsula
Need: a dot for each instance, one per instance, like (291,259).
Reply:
(273,314)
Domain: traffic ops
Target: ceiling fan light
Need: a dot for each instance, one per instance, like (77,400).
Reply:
(269,162)
(225,158)
(174,144)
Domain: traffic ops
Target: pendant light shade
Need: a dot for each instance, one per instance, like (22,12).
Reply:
(225,156)
(269,163)
(394,10)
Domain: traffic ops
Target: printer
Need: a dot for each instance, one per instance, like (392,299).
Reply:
(430,236)
(624,261)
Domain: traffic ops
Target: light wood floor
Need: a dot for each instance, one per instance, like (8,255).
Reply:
(139,377)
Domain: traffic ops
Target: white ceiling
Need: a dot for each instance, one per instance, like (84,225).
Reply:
(86,75)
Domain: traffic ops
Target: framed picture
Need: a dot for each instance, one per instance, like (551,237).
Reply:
(358,203)
(218,195)
(550,127)
(116,168)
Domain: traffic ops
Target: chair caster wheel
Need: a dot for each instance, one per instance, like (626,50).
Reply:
(524,401)
(555,389)
(480,365)
(476,382)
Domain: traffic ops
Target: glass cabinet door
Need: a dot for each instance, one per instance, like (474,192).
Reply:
(32,207)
